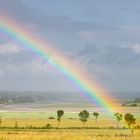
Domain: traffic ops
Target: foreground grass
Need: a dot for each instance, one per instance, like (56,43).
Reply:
(66,122)
(64,133)
(68,134)
(29,120)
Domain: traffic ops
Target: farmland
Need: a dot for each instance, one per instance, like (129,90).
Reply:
(32,125)
(69,134)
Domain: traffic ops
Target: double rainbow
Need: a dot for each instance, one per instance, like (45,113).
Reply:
(73,71)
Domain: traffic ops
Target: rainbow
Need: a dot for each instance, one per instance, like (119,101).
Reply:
(74,72)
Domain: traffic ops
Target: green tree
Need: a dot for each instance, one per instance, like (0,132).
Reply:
(60,113)
(119,117)
(84,115)
(96,115)
(130,120)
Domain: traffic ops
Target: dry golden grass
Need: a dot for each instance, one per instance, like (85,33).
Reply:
(111,122)
(67,134)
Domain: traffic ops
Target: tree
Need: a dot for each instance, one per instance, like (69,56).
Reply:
(129,119)
(84,115)
(119,117)
(16,124)
(96,115)
(60,113)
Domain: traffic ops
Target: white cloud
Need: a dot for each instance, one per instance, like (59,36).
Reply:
(136,48)
(9,48)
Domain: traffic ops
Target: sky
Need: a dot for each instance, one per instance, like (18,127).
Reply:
(102,35)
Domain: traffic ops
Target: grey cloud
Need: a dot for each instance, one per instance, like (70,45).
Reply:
(46,23)
(116,67)
(14,8)
(18,58)
(109,55)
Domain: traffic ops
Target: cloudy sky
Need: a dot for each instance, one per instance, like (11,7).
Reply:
(103,35)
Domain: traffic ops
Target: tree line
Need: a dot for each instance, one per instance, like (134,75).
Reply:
(84,115)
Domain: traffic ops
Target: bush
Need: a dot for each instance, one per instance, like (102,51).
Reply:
(30,127)
(133,105)
(137,127)
(124,127)
(72,118)
(51,118)
(48,126)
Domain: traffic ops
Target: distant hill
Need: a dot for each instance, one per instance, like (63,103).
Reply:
(43,96)
(55,97)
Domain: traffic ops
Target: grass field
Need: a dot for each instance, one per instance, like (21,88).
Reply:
(70,127)
(64,123)
(68,134)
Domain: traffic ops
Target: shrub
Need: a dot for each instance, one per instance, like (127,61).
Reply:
(51,118)
(48,126)
(133,105)
(16,125)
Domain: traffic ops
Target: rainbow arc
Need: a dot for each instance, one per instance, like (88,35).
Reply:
(74,72)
